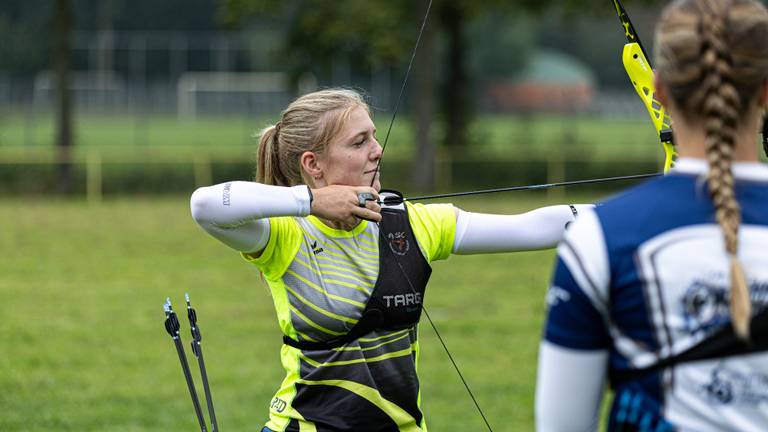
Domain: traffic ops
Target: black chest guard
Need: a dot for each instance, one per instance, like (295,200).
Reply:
(396,300)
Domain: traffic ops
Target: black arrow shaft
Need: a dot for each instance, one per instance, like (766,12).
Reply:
(206,387)
(190,383)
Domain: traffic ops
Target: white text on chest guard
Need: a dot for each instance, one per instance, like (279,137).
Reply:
(403,299)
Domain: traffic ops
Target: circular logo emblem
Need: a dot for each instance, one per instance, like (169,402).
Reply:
(398,242)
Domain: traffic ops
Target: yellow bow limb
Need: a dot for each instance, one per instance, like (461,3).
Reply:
(640,73)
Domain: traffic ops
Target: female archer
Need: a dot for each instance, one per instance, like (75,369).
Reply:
(654,289)
(347,275)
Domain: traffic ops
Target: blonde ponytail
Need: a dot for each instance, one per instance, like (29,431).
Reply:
(268,159)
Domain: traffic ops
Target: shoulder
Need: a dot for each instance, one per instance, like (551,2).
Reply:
(285,237)
(583,251)
(425,216)
(433,225)
(653,207)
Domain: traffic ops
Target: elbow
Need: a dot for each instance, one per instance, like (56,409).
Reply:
(200,205)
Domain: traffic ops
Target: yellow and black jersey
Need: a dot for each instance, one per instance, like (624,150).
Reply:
(321,280)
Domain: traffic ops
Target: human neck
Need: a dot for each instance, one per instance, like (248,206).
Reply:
(340,225)
(690,141)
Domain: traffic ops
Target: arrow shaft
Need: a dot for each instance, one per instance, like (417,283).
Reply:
(190,383)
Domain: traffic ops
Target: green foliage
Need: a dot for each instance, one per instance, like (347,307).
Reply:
(318,31)
(25,45)
(82,290)
(501,45)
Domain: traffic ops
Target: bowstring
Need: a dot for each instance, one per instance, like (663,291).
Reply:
(373,180)
(402,90)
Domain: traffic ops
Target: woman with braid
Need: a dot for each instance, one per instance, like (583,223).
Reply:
(347,275)
(660,291)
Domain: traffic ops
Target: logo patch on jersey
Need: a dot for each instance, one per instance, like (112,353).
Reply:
(557,295)
(398,242)
(315,249)
(706,303)
(278,404)
(729,386)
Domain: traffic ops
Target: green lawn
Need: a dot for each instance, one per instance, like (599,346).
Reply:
(84,349)
(489,135)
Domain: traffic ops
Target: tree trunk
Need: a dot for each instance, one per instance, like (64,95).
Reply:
(423,169)
(456,101)
(63,138)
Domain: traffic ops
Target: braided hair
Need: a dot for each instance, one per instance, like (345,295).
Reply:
(712,56)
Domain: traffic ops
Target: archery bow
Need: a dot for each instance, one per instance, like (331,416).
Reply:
(640,72)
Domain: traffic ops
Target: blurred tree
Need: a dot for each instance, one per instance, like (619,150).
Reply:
(23,30)
(62,52)
(377,33)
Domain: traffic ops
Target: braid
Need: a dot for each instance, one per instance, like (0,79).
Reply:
(712,56)
(721,109)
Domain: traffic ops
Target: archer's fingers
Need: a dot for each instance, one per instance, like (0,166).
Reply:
(367,214)
(373,206)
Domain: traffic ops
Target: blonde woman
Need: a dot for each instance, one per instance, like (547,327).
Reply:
(654,290)
(347,276)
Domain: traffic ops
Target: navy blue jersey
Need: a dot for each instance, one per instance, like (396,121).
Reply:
(646,276)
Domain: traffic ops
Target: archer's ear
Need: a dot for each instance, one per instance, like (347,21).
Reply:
(661,90)
(310,166)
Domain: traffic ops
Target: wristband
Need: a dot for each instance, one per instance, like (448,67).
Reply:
(311,197)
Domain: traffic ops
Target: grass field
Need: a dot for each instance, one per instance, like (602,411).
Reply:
(84,349)
(489,135)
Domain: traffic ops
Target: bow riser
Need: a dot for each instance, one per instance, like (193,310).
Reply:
(641,75)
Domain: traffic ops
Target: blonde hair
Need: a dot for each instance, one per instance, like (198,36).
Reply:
(308,124)
(712,56)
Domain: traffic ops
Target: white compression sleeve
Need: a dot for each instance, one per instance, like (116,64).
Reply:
(236,212)
(569,388)
(537,229)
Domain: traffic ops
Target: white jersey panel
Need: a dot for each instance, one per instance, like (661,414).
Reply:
(687,285)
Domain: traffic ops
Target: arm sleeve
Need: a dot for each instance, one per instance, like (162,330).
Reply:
(537,229)
(236,213)
(569,389)
(574,354)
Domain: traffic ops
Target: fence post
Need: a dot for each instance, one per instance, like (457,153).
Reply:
(93,177)
(202,169)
